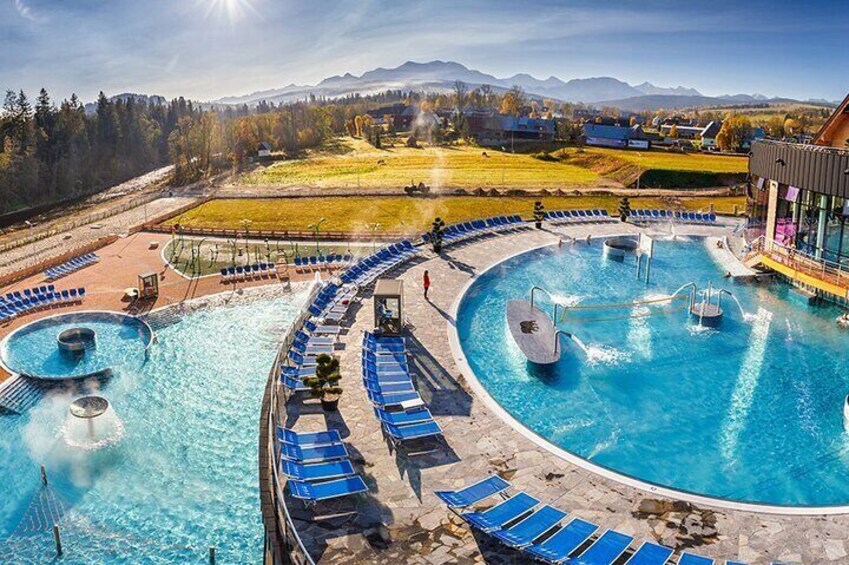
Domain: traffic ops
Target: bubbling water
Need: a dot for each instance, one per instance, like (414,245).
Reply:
(92,424)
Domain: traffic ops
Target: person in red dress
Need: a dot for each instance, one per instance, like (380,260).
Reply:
(426,283)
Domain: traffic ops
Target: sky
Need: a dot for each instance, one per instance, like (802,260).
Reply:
(208,49)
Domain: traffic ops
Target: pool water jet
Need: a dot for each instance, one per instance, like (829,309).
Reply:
(92,424)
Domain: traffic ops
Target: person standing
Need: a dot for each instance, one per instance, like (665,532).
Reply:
(426,283)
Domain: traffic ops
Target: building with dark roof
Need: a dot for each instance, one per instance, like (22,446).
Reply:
(798,206)
(600,135)
(498,129)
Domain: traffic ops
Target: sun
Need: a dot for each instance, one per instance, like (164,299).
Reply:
(231,11)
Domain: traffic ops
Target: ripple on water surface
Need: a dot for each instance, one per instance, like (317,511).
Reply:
(184,475)
(751,411)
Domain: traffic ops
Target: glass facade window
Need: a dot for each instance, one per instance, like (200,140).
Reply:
(757,206)
(813,223)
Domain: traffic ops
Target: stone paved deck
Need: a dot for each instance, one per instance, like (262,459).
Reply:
(401,521)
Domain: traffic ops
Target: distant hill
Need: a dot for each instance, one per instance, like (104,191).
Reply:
(440,76)
(124,96)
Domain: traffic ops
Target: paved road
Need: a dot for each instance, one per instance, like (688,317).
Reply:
(53,246)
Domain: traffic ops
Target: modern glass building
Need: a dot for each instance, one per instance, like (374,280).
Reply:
(799,194)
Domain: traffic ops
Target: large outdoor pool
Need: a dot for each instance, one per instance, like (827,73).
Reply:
(752,411)
(184,475)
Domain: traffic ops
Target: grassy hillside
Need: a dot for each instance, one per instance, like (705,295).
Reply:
(403,214)
(356,164)
(451,167)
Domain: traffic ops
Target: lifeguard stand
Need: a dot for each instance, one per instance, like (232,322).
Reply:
(148,285)
(388,307)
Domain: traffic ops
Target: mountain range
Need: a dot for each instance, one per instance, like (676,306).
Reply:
(440,76)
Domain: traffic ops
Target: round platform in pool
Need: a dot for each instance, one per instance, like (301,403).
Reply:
(750,411)
(35,350)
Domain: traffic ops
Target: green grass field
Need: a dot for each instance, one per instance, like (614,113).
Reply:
(438,167)
(665,161)
(403,214)
(362,166)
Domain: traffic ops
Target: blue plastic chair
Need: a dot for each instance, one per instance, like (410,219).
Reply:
(606,549)
(650,554)
(691,559)
(406,418)
(314,492)
(413,431)
(310,438)
(318,471)
(313,454)
(496,517)
(523,533)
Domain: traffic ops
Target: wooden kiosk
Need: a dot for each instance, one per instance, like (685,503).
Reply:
(388,307)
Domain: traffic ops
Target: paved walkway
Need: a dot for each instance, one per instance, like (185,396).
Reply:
(401,521)
(120,264)
(38,251)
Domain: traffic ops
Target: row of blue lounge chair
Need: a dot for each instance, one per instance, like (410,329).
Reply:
(242,273)
(70,266)
(538,530)
(317,465)
(315,336)
(400,409)
(477,228)
(578,216)
(16,304)
(368,269)
(318,261)
(672,216)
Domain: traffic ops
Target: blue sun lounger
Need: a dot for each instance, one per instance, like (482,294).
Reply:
(317,472)
(473,494)
(389,388)
(650,554)
(567,539)
(605,551)
(315,454)
(403,418)
(314,492)
(523,534)
(496,517)
(310,438)
(412,431)
(690,559)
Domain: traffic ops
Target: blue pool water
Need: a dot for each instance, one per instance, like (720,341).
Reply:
(750,412)
(32,350)
(184,476)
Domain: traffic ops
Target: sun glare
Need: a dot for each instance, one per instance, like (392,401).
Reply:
(231,11)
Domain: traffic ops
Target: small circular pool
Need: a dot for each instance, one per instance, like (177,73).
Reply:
(751,411)
(76,345)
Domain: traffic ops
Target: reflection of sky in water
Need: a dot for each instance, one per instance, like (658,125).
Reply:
(750,411)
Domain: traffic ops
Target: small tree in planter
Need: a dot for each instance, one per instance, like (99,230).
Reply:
(324,385)
(436,234)
(539,214)
(624,209)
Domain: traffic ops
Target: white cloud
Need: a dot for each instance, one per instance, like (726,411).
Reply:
(25,11)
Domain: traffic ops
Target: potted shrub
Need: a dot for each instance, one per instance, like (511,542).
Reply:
(624,209)
(539,214)
(324,385)
(436,234)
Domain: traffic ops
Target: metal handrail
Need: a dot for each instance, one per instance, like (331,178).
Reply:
(284,526)
(801,261)
(539,288)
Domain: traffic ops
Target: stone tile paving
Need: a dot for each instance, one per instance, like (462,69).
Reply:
(401,521)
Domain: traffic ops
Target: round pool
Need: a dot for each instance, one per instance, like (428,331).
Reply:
(183,476)
(76,345)
(750,411)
